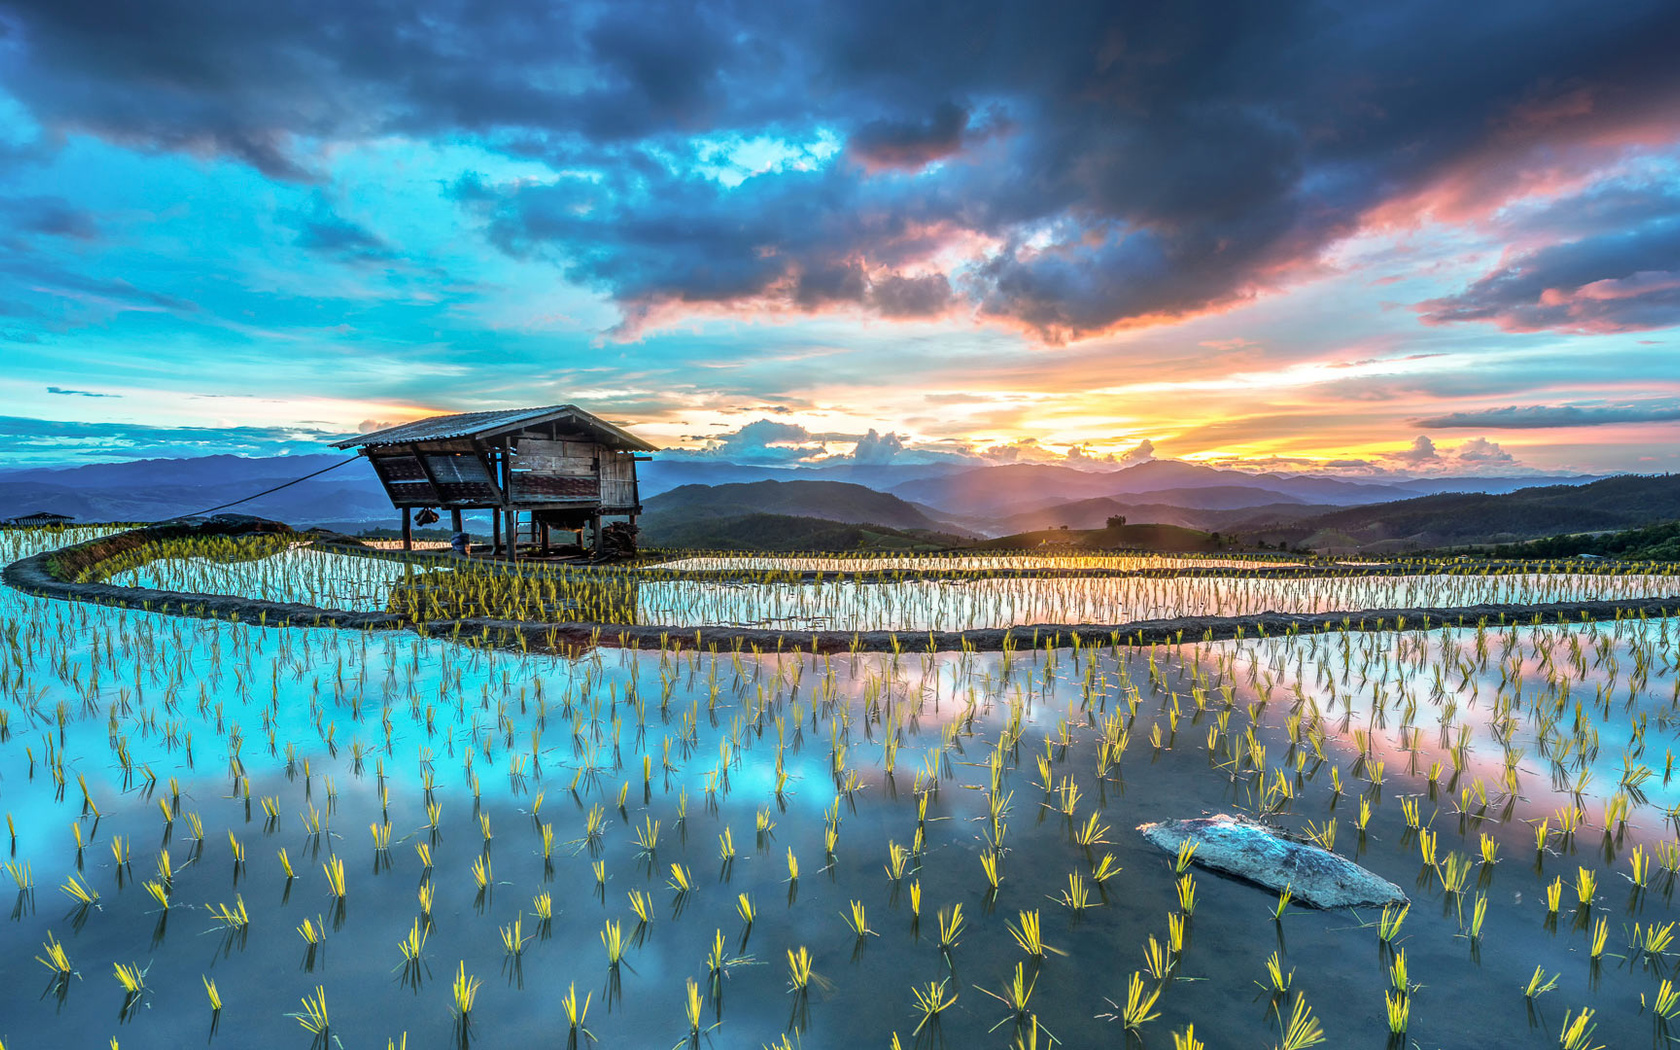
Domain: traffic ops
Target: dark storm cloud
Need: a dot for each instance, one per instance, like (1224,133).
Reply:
(911,144)
(1097,163)
(1542,417)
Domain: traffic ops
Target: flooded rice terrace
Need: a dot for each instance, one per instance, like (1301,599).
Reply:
(898,594)
(272,837)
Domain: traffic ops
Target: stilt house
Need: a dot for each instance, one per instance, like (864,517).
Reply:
(536,469)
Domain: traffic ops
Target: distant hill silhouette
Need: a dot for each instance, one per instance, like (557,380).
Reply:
(1622,502)
(781,532)
(831,500)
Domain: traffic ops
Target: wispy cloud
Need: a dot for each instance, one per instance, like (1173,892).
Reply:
(64,392)
(1544,417)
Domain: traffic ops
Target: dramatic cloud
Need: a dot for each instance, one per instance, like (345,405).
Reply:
(1541,417)
(1423,457)
(1422,451)
(877,448)
(1113,165)
(1625,280)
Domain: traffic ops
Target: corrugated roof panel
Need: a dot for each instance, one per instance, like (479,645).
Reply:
(482,424)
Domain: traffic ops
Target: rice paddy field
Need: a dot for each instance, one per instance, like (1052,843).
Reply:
(856,594)
(288,836)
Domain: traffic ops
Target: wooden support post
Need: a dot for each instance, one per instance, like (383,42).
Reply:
(595,533)
(408,528)
(512,529)
(544,539)
(495,531)
(455,524)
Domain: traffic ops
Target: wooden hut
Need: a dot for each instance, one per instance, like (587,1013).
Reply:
(534,468)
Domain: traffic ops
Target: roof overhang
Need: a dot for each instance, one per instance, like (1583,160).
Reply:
(480,426)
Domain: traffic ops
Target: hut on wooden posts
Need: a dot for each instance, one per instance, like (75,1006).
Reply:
(536,469)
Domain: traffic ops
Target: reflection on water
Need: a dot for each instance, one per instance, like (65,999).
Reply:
(159,737)
(340,581)
(965,563)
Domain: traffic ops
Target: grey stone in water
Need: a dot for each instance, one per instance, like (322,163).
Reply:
(1261,855)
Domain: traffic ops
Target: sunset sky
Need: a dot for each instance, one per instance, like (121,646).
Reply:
(1358,238)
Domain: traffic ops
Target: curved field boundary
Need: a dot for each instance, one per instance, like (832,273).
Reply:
(660,572)
(54,575)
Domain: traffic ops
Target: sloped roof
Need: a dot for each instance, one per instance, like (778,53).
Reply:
(490,424)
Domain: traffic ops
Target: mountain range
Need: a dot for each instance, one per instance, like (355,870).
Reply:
(684,497)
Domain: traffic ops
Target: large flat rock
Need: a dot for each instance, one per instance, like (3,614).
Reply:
(1259,854)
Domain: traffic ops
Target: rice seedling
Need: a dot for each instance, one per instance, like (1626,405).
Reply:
(314,1015)
(1577,1031)
(1454,872)
(1393,917)
(1029,935)
(1600,934)
(211,991)
(1586,882)
(1186,854)
(612,939)
(989,866)
(1302,1029)
(577,1014)
(1654,941)
(1640,863)
(1399,1006)
(513,937)
(1016,997)
(463,992)
(1554,895)
(950,927)
(1077,896)
(744,908)
(930,1003)
(334,869)
(1139,1008)
(1277,981)
(1539,984)
(1665,1004)
(1285,896)
(55,960)
(230,918)
(1186,888)
(682,881)
(483,876)
(799,970)
(80,892)
(642,905)
(413,943)
(132,979)
(858,921)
